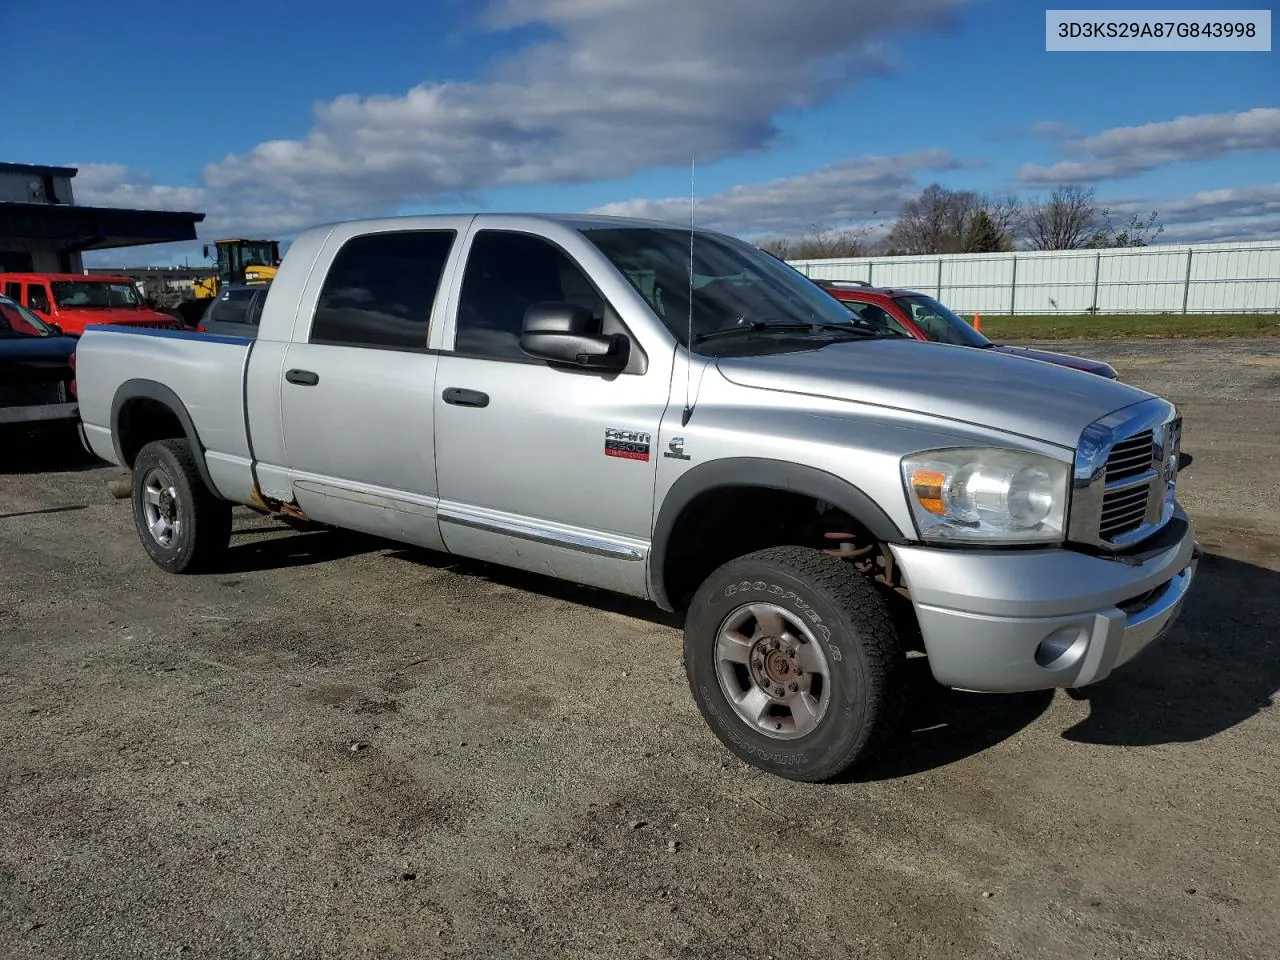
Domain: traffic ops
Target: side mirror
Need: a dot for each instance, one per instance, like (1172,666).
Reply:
(206,251)
(56,330)
(562,333)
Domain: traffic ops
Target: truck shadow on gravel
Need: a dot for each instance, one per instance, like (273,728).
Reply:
(543,586)
(1217,668)
(252,552)
(44,451)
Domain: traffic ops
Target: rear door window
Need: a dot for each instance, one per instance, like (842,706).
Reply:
(381,289)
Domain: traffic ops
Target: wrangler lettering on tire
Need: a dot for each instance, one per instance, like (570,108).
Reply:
(794,662)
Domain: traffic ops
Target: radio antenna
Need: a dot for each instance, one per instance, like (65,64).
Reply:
(688,372)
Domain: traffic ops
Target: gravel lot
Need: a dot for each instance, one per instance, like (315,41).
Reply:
(344,748)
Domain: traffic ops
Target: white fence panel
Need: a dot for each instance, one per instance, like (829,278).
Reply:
(1190,278)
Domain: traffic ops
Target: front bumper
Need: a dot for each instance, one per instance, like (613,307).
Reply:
(1012,620)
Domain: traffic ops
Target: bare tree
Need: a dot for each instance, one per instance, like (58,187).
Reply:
(1006,213)
(819,244)
(780,247)
(1135,232)
(1068,220)
(1071,219)
(953,221)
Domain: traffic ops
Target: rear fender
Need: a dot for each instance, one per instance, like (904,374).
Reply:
(158,392)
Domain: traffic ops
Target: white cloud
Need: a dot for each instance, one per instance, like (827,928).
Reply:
(1238,213)
(855,191)
(1052,130)
(114,185)
(1128,151)
(625,85)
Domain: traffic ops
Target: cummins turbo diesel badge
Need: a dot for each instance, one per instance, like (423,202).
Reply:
(628,444)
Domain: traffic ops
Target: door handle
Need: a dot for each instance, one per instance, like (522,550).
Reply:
(303,378)
(460,397)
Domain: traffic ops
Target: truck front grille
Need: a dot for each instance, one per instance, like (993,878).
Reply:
(1123,511)
(1124,480)
(1132,457)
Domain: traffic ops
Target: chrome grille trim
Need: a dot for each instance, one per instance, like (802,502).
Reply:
(1125,472)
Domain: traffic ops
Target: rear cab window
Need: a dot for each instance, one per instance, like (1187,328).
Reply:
(232,306)
(381,289)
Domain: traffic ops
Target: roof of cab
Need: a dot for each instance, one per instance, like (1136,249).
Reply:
(89,277)
(574,220)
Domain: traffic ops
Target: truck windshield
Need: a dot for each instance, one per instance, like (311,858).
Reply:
(939,323)
(735,287)
(17,321)
(93,294)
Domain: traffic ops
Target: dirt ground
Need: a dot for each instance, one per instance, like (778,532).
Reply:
(343,748)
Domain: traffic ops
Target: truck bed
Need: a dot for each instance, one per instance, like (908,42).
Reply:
(206,372)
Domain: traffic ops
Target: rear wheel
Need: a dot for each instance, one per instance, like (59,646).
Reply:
(183,525)
(795,662)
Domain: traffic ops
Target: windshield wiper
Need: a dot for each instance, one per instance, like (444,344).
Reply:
(848,329)
(758,326)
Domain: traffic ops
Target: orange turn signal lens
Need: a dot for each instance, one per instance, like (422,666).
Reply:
(927,486)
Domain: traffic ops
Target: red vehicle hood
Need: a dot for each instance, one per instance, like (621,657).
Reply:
(1062,359)
(74,321)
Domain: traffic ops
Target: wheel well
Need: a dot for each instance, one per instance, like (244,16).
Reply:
(143,420)
(727,522)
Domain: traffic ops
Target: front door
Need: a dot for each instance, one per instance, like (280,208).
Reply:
(356,388)
(542,468)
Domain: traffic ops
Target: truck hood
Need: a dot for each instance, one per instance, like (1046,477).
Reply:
(981,387)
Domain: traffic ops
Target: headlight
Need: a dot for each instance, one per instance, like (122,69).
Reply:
(987,494)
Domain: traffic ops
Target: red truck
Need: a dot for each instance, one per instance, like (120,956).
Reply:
(69,302)
(921,317)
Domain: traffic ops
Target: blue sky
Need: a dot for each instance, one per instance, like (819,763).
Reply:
(813,113)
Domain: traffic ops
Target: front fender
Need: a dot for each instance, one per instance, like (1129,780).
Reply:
(765,473)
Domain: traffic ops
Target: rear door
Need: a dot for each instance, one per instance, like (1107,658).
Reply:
(358,381)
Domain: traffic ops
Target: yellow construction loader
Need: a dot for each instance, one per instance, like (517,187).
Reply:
(238,261)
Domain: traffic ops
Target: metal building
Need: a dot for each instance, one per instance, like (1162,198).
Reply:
(43,230)
(1231,277)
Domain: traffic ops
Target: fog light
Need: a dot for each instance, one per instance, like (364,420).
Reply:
(1062,648)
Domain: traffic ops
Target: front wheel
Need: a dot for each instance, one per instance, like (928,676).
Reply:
(794,662)
(183,525)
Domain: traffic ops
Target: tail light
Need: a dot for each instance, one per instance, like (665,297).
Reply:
(200,328)
(72,385)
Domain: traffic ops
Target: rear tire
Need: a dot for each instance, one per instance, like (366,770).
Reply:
(795,662)
(183,525)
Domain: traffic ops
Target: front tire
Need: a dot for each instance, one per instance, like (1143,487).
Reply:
(795,663)
(183,525)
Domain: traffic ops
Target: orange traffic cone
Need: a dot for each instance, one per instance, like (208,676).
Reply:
(977,321)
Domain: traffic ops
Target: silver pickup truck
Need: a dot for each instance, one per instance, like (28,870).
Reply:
(674,415)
